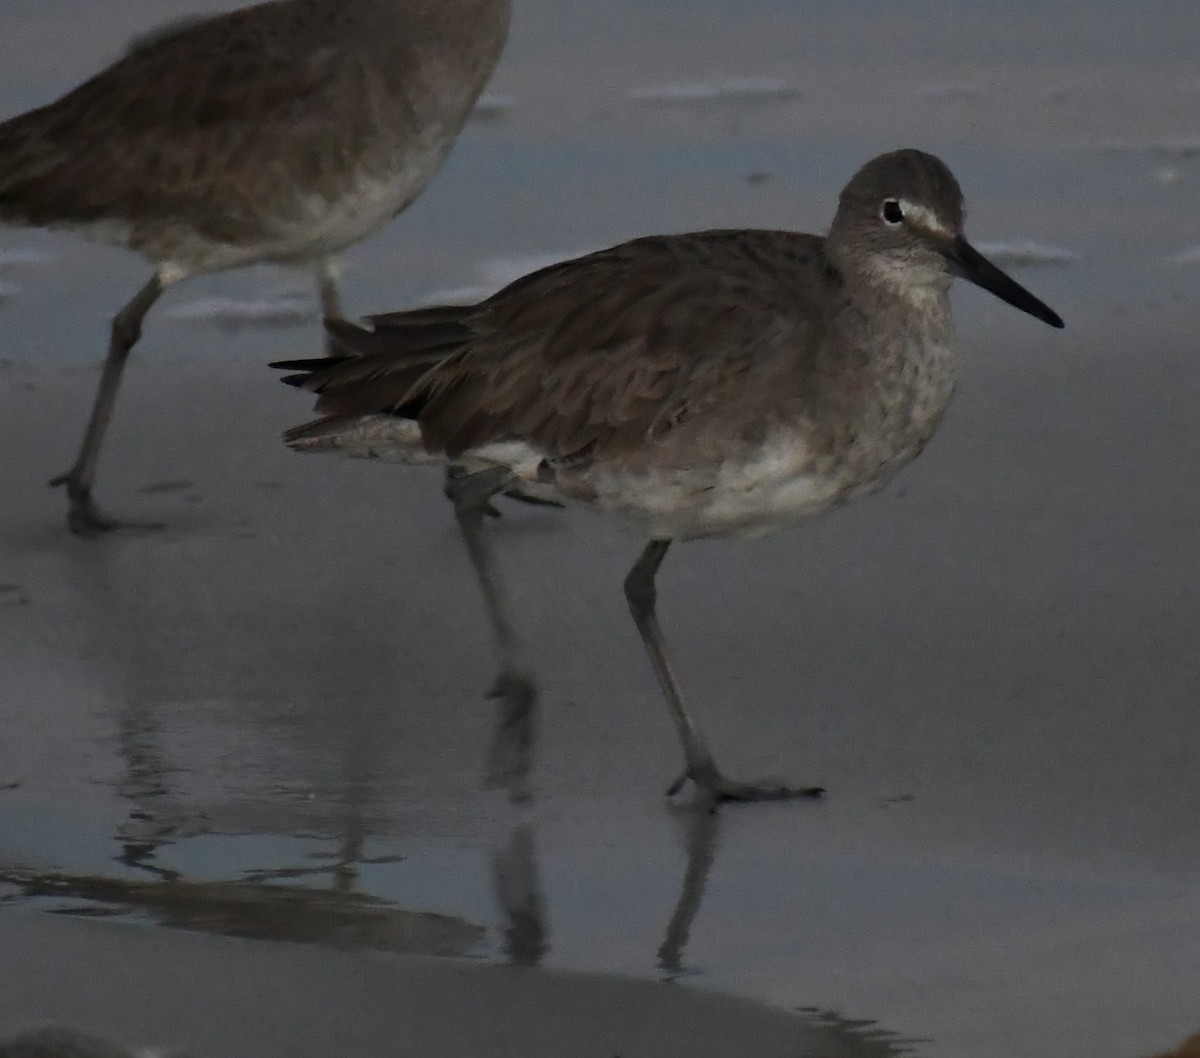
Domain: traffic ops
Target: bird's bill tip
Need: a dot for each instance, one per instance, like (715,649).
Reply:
(969,264)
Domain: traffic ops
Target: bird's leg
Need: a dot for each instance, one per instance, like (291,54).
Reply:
(83,518)
(453,474)
(642,595)
(512,747)
(491,510)
(328,274)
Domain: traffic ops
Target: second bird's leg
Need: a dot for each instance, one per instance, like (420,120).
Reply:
(490,510)
(328,275)
(512,748)
(700,768)
(453,474)
(83,518)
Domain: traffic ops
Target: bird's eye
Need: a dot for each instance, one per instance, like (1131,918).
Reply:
(892,213)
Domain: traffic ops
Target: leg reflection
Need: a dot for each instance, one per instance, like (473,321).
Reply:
(700,841)
(514,869)
(156,814)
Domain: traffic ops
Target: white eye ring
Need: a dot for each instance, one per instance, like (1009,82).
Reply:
(891,211)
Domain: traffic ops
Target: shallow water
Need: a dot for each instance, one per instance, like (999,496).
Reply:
(267,722)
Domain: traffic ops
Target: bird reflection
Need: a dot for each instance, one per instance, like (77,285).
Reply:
(700,841)
(55,1041)
(330,893)
(515,875)
(146,784)
(526,937)
(837,1036)
(510,757)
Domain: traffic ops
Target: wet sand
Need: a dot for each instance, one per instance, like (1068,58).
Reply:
(207,993)
(268,720)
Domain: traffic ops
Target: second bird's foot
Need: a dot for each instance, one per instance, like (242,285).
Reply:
(714,789)
(511,756)
(84,517)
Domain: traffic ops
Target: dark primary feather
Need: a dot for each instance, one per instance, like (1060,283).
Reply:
(305,367)
(382,361)
(591,355)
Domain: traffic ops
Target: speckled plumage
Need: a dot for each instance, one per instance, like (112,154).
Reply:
(283,132)
(700,384)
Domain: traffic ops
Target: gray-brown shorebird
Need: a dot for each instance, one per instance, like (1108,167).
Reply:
(719,382)
(282,132)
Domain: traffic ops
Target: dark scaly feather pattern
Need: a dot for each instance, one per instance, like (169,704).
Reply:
(590,356)
(231,125)
(166,151)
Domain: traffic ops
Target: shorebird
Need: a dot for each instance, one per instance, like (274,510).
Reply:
(282,132)
(704,384)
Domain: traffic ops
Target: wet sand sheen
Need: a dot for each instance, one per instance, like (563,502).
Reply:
(991,667)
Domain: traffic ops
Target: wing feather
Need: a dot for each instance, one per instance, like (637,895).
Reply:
(594,356)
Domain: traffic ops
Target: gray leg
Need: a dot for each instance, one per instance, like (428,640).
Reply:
(642,595)
(83,518)
(512,747)
(453,474)
(331,299)
(491,510)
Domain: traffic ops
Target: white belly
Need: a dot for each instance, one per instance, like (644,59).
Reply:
(314,227)
(781,485)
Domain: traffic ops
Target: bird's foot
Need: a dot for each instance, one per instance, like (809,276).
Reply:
(84,517)
(492,511)
(532,501)
(713,788)
(453,476)
(511,756)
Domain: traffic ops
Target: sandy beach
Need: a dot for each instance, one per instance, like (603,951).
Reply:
(240,798)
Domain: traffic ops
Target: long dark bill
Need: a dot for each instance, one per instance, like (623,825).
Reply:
(968,263)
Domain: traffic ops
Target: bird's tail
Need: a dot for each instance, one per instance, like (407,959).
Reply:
(369,394)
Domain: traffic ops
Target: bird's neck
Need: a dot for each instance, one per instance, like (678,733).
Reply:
(914,300)
(905,332)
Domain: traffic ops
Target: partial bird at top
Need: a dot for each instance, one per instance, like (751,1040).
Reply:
(282,132)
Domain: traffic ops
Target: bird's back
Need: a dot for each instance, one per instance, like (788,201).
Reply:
(716,380)
(590,357)
(288,129)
